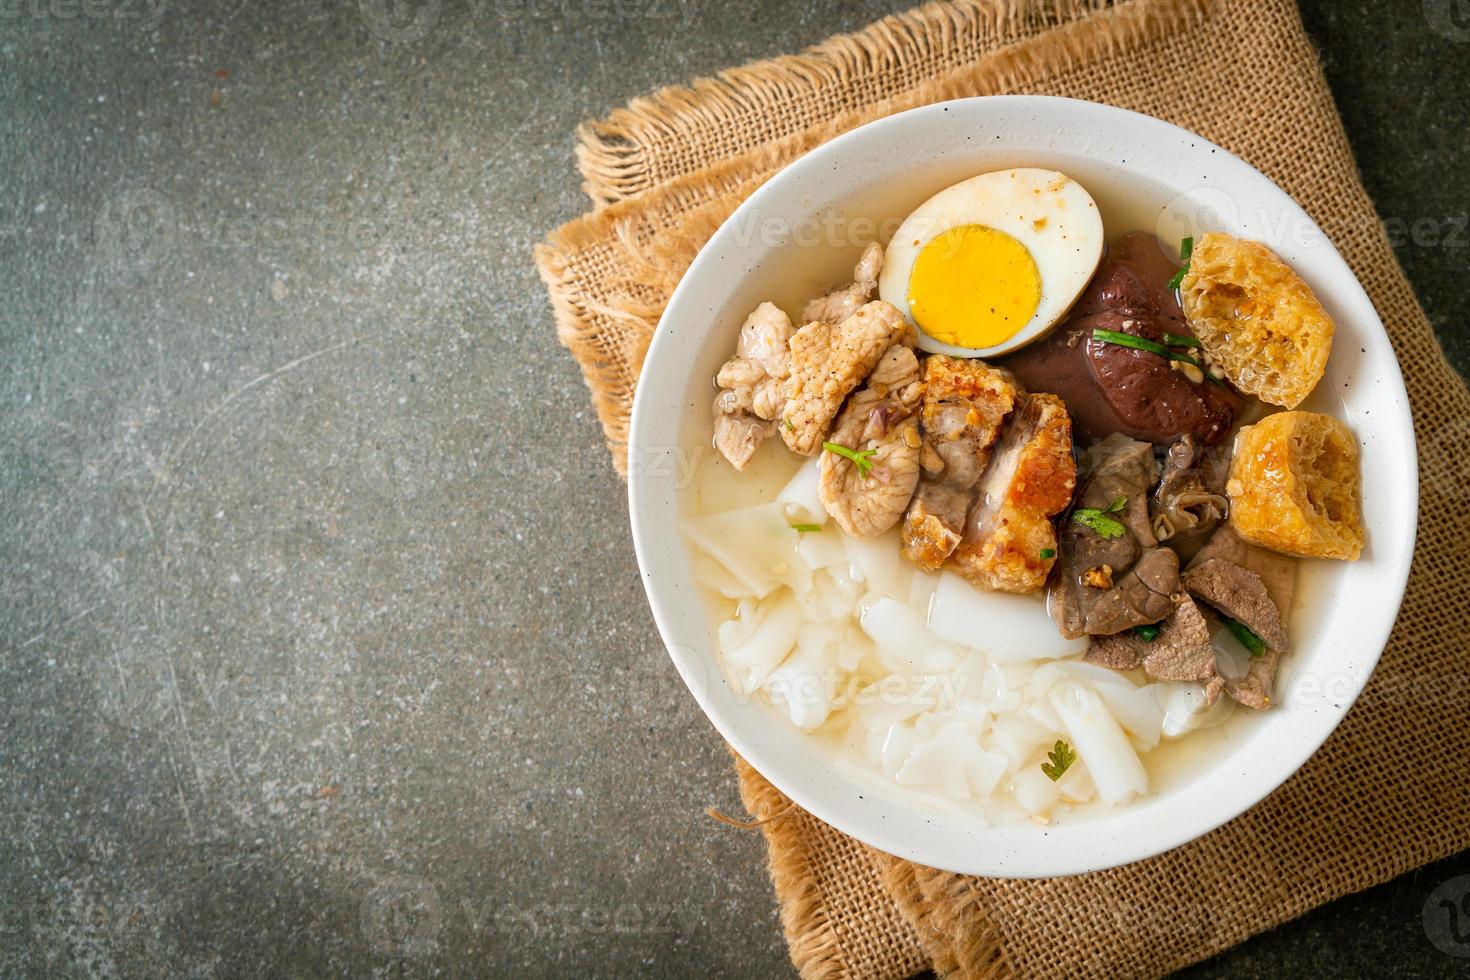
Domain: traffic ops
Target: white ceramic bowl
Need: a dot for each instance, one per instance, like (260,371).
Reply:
(800,233)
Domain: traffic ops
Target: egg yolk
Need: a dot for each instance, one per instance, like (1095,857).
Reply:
(974,286)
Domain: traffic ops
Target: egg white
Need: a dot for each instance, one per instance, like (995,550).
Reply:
(1049,213)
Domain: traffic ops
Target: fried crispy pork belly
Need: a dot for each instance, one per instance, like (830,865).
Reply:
(828,362)
(879,425)
(966,403)
(1028,482)
(935,524)
(753,385)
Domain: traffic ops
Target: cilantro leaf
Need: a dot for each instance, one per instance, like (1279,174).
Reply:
(1060,759)
(1105,527)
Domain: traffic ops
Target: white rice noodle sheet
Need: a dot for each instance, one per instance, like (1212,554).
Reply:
(802,685)
(922,586)
(904,641)
(826,550)
(831,598)
(952,760)
(756,545)
(1183,707)
(1019,737)
(714,576)
(758,639)
(1100,742)
(1076,784)
(855,650)
(1034,791)
(1137,708)
(801,498)
(876,562)
(1009,628)
(894,745)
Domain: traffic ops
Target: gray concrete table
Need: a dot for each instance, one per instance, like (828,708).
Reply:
(320,617)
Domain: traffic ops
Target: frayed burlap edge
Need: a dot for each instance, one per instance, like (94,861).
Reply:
(593,312)
(645,144)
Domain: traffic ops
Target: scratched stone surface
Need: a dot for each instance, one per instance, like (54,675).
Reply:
(324,647)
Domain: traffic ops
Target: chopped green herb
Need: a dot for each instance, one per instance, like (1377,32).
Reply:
(1149,633)
(1117,506)
(1060,759)
(1048,553)
(789,426)
(1179,340)
(806,528)
(1247,637)
(1105,526)
(1186,252)
(1142,343)
(862,459)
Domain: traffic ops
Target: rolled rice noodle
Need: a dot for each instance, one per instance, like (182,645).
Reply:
(903,640)
(801,683)
(1100,743)
(756,651)
(877,564)
(1185,710)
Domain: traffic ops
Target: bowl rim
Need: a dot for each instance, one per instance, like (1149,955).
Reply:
(648,491)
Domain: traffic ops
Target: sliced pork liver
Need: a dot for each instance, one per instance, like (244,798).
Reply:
(1144,577)
(1277,574)
(1181,652)
(1240,594)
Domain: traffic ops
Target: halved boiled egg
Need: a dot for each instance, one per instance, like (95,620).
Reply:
(994,262)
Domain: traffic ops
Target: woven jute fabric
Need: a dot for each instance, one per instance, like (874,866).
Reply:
(1378,799)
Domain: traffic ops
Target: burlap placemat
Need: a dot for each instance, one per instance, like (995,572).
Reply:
(1379,798)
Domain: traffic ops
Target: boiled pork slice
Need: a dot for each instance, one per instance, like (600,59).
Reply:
(828,362)
(842,303)
(880,423)
(753,385)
